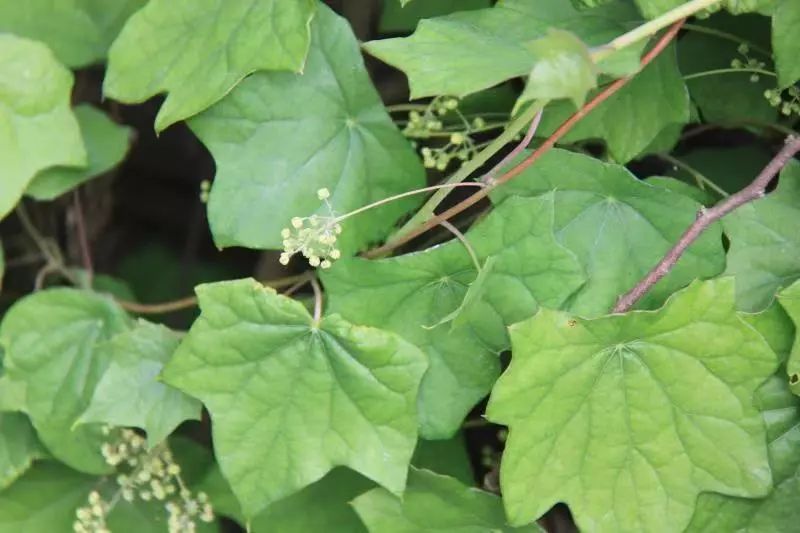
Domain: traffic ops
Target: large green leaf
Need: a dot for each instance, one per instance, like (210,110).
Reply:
(106,144)
(78,32)
(18,447)
(404,18)
(129,394)
(55,345)
(198,50)
(291,398)
(618,226)
(628,418)
(764,253)
(279,137)
(408,294)
(779,511)
(44,499)
(785,44)
(449,457)
(632,118)
(434,503)
(37,127)
(789,299)
(466,52)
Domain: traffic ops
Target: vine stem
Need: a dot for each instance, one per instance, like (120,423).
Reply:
(191,301)
(549,143)
(729,71)
(83,238)
(705,217)
(317,301)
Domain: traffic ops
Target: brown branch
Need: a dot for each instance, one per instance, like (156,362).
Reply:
(551,141)
(488,178)
(705,217)
(191,301)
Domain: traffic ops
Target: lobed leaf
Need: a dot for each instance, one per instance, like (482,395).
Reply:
(785,45)
(279,137)
(19,447)
(619,227)
(789,299)
(621,417)
(129,394)
(198,50)
(37,127)
(106,145)
(291,398)
(55,343)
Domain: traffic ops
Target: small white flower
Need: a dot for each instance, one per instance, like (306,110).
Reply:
(323,193)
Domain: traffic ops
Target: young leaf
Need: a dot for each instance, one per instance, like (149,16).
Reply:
(785,44)
(198,50)
(789,299)
(779,510)
(764,253)
(633,117)
(129,394)
(279,137)
(78,32)
(622,417)
(290,398)
(37,127)
(460,315)
(562,68)
(434,503)
(618,226)
(106,144)
(407,293)
(44,499)
(466,52)
(18,447)
(54,342)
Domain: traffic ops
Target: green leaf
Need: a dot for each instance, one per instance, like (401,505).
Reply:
(730,168)
(618,226)
(2,265)
(129,394)
(743,100)
(404,18)
(18,447)
(37,127)
(623,417)
(290,398)
(785,44)
(764,252)
(448,457)
(460,315)
(466,52)
(653,8)
(198,50)
(106,144)
(562,68)
(55,345)
(789,299)
(78,32)
(632,118)
(779,510)
(279,137)
(434,503)
(404,294)
(776,327)
(44,499)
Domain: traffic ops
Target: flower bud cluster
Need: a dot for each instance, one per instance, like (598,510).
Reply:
(748,62)
(148,476)
(429,124)
(788,102)
(313,237)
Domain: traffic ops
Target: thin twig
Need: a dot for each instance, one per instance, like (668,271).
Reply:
(83,238)
(488,178)
(54,260)
(191,301)
(551,141)
(705,217)
(460,236)
(317,301)
(701,179)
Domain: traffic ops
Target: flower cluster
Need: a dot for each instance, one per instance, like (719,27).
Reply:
(748,62)
(458,132)
(313,237)
(149,476)
(789,104)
